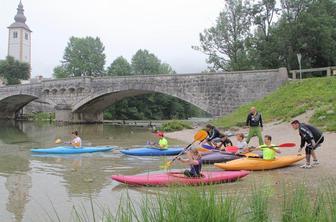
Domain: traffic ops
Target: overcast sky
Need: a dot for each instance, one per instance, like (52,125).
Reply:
(168,28)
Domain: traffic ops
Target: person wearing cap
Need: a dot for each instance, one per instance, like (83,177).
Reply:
(195,162)
(76,140)
(163,142)
(312,138)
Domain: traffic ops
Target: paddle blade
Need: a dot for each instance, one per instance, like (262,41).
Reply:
(200,135)
(287,145)
(167,165)
(58,141)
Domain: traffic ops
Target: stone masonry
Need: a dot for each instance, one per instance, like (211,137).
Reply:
(84,99)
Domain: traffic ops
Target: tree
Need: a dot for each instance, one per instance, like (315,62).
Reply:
(145,63)
(60,72)
(13,71)
(84,57)
(166,69)
(119,67)
(224,43)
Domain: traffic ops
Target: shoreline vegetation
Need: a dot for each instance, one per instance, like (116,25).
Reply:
(284,202)
(289,101)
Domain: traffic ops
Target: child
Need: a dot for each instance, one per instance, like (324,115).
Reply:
(76,141)
(213,134)
(194,160)
(224,141)
(163,142)
(268,149)
(241,144)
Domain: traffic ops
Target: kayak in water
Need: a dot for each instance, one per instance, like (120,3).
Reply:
(73,150)
(171,178)
(148,151)
(259,163)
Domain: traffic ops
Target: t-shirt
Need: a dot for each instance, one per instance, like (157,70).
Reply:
(163,142)
(76,141)
(241,145)
(268,153)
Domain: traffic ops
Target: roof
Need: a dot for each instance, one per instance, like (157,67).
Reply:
(19,25)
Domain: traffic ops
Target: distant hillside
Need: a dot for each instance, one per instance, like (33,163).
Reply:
(291,100)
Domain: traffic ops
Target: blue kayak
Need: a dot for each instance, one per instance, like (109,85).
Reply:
(147,151)
(72,150)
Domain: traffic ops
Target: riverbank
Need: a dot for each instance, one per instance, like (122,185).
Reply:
(282,132)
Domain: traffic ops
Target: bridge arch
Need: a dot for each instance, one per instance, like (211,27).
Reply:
(101,100)
(12,103)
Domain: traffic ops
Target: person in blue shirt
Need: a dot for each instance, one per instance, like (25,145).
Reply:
(195,162)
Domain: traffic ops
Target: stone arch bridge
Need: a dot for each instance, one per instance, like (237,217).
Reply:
(84,99)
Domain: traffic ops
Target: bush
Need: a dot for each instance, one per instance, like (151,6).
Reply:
(175,125)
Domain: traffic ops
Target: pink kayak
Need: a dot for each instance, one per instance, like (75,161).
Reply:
(170,178)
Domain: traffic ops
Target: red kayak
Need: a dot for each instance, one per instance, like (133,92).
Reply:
(171,178)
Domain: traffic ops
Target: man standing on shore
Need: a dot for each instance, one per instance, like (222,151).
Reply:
(313,137)
(255,124)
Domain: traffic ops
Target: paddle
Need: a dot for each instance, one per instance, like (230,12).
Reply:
(57,141)
(199,136)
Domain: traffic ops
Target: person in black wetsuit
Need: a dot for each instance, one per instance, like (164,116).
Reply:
(312,138)
(213,134)
(195,162)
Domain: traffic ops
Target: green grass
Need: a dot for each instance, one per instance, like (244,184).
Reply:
(291,100)
(175,125)
(262,202)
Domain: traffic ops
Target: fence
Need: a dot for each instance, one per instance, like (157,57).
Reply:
(330,71)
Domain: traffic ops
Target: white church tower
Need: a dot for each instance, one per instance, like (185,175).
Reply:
(19,39)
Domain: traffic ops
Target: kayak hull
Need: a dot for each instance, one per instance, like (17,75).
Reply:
(260,164)
(177,178)
(218,157)
(72,150)
(146,151)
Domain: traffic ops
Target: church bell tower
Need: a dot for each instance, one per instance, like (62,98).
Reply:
(19,38)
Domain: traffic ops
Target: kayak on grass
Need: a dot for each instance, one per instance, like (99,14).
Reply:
(149,151)
(172,178)
(218,157)
(72,150)
(260,164)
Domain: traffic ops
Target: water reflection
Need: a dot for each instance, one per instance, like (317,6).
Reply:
(29,182)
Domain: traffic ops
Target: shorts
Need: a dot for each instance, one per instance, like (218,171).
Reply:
(188,173)
(310,148)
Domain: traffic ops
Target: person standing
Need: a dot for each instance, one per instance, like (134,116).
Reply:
(255,124)
(312,138)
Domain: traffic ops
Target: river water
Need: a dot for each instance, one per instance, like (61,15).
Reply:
(43,188)
(34,188)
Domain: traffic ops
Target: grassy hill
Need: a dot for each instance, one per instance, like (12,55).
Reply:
(291,100)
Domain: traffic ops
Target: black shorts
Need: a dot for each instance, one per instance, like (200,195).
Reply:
(188,173)
(310,147)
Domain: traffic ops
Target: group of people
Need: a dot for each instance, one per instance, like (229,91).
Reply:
(311,139)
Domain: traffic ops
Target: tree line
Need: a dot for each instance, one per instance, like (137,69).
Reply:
(267,34)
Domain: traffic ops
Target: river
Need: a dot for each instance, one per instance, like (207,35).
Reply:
(43,188)
(34,188)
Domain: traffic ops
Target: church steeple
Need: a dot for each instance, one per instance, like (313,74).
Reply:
(19,40)
(20,17)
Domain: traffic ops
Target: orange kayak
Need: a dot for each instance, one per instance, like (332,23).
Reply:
(260,164)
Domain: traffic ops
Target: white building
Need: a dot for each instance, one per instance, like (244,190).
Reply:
(19,39)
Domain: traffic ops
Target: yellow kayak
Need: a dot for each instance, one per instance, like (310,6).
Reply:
(260,164)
